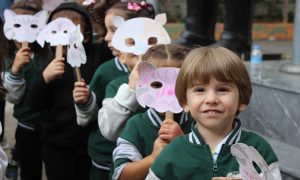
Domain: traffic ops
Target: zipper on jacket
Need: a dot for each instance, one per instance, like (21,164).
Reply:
(215,167)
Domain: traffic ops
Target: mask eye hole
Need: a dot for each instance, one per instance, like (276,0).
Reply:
(75,46)
(156,85)
(65,31)
(152,41)
(34,26)
(53,32)
(17,25)
(129,42)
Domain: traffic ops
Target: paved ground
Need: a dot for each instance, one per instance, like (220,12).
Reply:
(268,47)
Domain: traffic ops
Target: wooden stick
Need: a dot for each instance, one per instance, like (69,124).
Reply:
(169,115)
(59,51)
(24,44)
(78,73)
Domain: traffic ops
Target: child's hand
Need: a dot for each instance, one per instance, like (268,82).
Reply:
(169,130)
(54,70)
(22,58)
(158,145)
(81,92)
(134,76)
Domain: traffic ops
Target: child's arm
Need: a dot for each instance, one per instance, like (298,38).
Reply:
(138,167)
(85,103)
(169,130)
(54,70)
(14,80)
(115,111)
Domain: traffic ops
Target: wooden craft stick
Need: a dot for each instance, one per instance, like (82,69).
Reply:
(169,115)
(59,51)
(78,73)
(24,44)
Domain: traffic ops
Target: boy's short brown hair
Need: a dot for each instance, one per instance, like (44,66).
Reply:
(205,62)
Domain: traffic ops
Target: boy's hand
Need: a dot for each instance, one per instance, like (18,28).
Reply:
(22,58)
(134,76)
(54,70)
(158,145)
(81,92)
(169,130)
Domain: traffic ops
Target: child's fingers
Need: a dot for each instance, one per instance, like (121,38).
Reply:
(80,83)
(80,99)
(136,65)
(168,121)
(80,94)
(166,137)
(25,49)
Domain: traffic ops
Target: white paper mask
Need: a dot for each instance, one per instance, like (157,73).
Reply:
(245,156)
(57,32)
(156,88)
(137,35)
(23,28)
(76,53)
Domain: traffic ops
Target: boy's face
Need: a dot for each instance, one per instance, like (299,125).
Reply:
(214,105)
(110,32)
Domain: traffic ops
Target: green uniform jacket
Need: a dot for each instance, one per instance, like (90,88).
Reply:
(189,157)
(26,116)
(140,132)
(99,148)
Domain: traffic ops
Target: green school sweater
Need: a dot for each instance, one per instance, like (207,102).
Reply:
(141,131)
(23,112)
(100,149)
(189,157)
(105,73)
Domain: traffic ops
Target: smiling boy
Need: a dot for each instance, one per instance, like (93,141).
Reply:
(214,87)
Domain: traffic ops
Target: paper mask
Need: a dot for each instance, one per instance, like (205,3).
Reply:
(245,156)
(137,35)
(156,88)
(76,53)
(23,28)
(57,32)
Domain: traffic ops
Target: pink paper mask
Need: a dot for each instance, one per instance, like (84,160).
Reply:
(156,88)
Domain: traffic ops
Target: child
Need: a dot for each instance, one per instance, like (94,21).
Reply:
(214,87)
(3,157)
(86,103)
(136,147)
(64,142)
(22,69)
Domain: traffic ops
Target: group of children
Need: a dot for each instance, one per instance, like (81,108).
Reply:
(94,128)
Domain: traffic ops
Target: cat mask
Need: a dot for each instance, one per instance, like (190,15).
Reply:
(156,88)
(57,32)
(137,35)
(23,28)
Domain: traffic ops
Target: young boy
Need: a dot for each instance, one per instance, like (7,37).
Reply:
(214,87)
